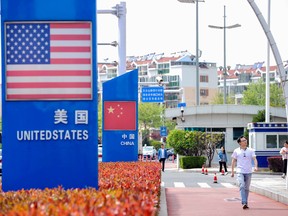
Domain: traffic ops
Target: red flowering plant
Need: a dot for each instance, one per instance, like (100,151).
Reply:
(125,188)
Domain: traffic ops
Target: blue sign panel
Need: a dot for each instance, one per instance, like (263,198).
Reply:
(152,94)
(163,131)
(49,102)
(181,104)
(120,118)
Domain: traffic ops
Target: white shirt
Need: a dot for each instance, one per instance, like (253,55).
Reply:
(162,153)
(244,159)
(284,156)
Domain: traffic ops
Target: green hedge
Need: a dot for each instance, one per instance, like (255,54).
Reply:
(189,162)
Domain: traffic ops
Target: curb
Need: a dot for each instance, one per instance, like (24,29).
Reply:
(217,171)
(163,204)
(279,197)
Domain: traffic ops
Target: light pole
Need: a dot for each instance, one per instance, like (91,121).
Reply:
(113,43)
(224,28)
(120,11)
(267,101)
(197,48)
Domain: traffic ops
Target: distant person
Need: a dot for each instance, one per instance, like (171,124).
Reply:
(162,155)
(284,153)
(222,157)
(243,156)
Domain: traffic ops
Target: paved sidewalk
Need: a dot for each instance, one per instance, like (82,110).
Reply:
(270,185)
(219,201)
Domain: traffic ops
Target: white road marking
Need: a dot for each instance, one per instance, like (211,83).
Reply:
(204,185)
(228,185)
(179,185)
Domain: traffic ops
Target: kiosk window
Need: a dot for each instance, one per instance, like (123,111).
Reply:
(271,141)
(282,139)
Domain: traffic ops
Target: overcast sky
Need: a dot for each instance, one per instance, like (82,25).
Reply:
(169,26)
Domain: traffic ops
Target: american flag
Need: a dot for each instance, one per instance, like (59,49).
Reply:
(48,61)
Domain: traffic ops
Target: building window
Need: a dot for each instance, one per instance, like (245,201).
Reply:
(112,73)
(271,141)
(204,79)
(142,70)
(163,68)
(275,141)
(282,139)
(203,92)
(237,132)
(244,78)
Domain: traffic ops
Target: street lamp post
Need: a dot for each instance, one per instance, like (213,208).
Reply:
(197,48)
(224,28)
(113,43)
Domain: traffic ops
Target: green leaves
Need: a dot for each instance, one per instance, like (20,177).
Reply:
(256,94)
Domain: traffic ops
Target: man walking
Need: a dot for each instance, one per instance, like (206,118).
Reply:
(162,155)
(244,156)
(284,153)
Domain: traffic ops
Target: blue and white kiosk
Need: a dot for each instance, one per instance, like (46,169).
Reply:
(267,139)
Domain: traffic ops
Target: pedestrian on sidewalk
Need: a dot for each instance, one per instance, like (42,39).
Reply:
(284,153)
(243,156)
(162,155)
(222,157)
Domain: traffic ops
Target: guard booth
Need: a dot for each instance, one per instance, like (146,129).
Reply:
(267,139)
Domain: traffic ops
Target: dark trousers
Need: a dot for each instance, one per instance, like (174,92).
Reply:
(224,164)
(285,166)
(162,160)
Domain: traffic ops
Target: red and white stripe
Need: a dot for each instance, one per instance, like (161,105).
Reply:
(69,74)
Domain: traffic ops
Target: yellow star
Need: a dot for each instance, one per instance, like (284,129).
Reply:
(110,109)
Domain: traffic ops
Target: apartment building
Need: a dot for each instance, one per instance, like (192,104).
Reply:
(178,72)
(241,76)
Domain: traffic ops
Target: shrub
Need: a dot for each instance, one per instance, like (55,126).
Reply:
(156,144)
(188,162)
(275,163)
(125,188)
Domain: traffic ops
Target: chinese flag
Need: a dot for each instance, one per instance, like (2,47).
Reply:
(119,115)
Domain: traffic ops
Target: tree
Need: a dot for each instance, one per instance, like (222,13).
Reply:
(150,116)
(219,99)
(260,117)
(194,143)
(255,95)
(211,141)
(176,140)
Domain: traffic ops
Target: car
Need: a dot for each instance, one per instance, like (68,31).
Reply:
(149,151)
(170,153)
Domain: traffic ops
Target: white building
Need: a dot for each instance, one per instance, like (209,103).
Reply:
(178,72)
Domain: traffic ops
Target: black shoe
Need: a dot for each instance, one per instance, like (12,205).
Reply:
(245,206)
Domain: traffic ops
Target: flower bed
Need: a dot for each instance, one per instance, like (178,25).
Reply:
(125,188)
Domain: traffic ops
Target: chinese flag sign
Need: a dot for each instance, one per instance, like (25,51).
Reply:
(119,115)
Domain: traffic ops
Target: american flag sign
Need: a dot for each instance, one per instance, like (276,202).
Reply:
(48,61)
